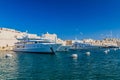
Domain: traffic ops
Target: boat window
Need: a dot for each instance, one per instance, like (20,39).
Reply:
(29,42)
(18,46)
(35,42)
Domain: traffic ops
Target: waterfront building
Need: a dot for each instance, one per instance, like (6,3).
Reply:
(8,38)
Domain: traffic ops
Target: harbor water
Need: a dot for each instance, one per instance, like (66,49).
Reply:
(30,66)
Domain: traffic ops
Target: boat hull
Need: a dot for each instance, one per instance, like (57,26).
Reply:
(38,48)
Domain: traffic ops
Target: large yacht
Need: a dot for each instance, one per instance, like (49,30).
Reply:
(36,45)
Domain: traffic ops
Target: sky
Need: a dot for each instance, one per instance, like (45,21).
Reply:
(67,18)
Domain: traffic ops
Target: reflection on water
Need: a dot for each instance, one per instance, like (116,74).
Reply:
(8,66)
(97,66)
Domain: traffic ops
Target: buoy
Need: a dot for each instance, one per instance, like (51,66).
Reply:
(75,56)
(115,49)
(8,55)
(88,53)
(106,51)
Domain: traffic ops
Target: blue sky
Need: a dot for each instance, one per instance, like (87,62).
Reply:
(67,18)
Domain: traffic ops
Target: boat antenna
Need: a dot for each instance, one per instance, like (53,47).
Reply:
(26,35)
(55,39)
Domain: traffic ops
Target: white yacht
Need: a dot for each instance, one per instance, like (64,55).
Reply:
(63,48)
(39,45)
(79,45)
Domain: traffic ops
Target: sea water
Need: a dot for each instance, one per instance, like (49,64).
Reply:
(30,66)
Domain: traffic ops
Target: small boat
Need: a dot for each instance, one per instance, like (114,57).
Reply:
(79,46)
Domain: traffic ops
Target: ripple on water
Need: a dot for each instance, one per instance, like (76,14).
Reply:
(97,66)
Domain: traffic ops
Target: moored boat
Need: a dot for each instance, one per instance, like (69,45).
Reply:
(79,46)
(33,45)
